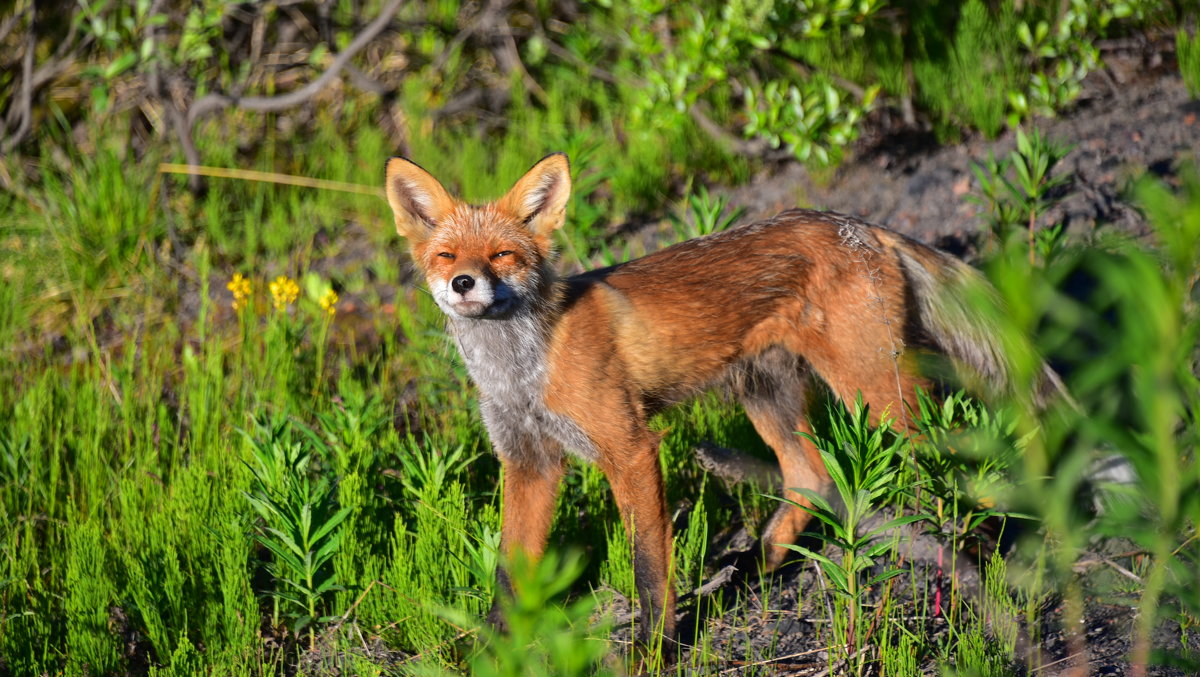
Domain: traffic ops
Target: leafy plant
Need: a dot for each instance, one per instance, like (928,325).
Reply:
(966,458)
(704,214)
(351,428)
(544,636)
(300,523)
(691,546)
(87,606)
(1132,341)
(861,461)
(1062,47)
(1155,299)
(427,468)
(966,83)
(1018,189)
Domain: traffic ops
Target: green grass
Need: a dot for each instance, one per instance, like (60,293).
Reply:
(159,451)
(1187,51)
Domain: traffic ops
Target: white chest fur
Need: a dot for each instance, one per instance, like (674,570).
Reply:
(507,360)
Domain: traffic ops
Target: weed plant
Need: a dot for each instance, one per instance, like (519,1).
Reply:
(864,468)
(704,214)
(1017,190)
(300,523)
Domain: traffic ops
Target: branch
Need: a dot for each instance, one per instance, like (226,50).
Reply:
(483,17)
(211,103)
(10,23)
(25,104)
(755,148)
(806,69)
(510,58)
(159,90)
(737,467)
(367,83)
(32,82)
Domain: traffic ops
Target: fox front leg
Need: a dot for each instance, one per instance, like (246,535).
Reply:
(637,485)
(530,491)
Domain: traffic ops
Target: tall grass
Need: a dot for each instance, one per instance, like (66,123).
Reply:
(141,532)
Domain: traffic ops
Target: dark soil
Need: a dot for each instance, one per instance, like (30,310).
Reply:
(779,625)
(1132,119)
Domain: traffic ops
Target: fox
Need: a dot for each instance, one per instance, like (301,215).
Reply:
(768,310)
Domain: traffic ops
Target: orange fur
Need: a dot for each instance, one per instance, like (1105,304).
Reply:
(579,365)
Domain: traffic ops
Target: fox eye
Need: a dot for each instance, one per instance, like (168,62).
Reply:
(446,255)
(506,252)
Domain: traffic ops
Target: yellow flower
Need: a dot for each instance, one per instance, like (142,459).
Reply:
(240,287)
(329,302)
(284,291)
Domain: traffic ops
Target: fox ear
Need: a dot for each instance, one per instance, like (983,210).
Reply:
(540,197)
(418,201)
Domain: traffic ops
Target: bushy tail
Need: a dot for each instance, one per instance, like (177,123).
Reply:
(960,311)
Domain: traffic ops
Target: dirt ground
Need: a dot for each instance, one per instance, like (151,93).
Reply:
(1134,117)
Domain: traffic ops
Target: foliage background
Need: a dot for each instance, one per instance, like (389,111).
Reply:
(286,474)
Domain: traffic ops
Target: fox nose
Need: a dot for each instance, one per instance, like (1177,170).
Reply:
(462,284)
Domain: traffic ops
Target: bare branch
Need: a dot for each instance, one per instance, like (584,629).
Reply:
(10,23)
(32,82)
(184,131)
(214,102)
(510,57)
(159,90)
(484,18)
(476,97)
(756,148)
(367,83)
(358,78)
(737,467)
(25,104)
(715,583)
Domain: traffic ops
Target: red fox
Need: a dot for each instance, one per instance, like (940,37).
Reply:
(579,365)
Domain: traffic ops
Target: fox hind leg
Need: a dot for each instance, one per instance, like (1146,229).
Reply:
(776,403)
(773,389)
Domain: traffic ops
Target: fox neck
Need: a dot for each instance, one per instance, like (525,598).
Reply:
(511,352)
(507,360)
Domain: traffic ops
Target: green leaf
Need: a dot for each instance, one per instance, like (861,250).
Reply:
(331,523)
(899,521)
(1018,101)
(1025,35)
(329,584)
(316,58)
(285,539)
(282,554)
(1023,146)
(885,576)
(328,549)
(807,553)
(879,549)
(100,99)
(837,576)
(819,502)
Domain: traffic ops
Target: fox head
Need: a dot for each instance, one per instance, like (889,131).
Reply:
(481,261)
